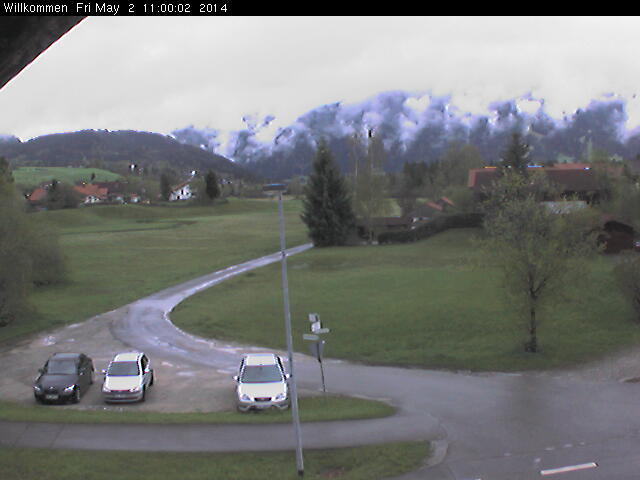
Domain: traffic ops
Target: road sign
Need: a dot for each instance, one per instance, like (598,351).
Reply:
(322,330)
(310,336)
(314,317)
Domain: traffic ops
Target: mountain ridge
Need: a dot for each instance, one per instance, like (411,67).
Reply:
(117,150)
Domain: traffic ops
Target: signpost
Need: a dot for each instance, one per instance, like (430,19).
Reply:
(316,346)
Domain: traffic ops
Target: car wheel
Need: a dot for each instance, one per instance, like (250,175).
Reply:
(151,381)
(76,396)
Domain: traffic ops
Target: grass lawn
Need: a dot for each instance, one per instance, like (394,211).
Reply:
(430,304)
(31,176)
(361,463)
(118,254)
(312,409)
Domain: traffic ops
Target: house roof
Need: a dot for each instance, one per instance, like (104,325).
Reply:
(183,184)
(447,201)
(573,177)
(112,187)
(37,195)
(606,218)
(89,189)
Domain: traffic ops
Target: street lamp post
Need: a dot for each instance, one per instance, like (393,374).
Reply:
(278,189)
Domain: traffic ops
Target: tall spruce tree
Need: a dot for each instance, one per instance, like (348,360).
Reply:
(327,210)
(516,155)
(212,189)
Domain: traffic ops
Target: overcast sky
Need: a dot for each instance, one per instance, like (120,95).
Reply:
(163,73)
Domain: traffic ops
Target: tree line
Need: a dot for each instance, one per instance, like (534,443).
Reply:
(30,255)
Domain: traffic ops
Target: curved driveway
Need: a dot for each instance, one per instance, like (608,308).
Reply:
(485,426)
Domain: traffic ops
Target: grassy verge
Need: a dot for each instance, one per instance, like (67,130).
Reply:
(312,409)
(361,463)
(118,254)
(431,304)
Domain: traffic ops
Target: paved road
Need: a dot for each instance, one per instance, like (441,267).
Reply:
(485,426)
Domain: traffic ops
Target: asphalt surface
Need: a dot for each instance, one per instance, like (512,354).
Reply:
(484,426)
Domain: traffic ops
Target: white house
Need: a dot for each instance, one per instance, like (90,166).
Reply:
(181,192)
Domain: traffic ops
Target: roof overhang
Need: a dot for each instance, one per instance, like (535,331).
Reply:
(23,38)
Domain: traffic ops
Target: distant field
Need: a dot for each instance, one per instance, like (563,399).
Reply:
(29,176)
(430,304)
(120,253)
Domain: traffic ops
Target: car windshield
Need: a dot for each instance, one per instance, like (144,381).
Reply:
(61,367)
(261,374)
(121,369)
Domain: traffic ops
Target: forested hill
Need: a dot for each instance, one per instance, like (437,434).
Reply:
(116,151)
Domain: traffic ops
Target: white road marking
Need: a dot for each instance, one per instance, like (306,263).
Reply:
(570,468)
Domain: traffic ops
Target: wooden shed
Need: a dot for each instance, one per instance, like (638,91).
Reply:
(617,235)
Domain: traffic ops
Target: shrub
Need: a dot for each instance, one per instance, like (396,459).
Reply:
(437,225)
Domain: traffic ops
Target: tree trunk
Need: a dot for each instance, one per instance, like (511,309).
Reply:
(532,344)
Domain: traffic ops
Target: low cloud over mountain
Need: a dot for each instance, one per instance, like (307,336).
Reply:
(419,127)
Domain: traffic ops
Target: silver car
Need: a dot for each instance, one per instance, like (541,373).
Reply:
(127,378)
(261,383)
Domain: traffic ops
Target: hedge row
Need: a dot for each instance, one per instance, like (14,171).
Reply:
(437,225)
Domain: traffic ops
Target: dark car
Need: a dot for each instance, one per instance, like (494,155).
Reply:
(65,377)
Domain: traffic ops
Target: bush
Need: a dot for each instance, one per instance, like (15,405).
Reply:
(627,273)
(437,225)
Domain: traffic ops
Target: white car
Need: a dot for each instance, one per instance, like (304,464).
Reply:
(261,383)
(127,378)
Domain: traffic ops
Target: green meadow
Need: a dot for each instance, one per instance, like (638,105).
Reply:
(433,304)
(120,253)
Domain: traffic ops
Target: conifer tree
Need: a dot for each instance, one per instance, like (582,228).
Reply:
(211,185)
(327,210)
(165,187)
(516,155)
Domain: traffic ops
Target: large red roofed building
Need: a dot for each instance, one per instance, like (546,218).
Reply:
(577,179)
(91,193)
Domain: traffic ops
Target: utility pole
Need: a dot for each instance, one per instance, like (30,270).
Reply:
(278,189)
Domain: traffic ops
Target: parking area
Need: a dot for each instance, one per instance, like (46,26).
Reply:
(177,388)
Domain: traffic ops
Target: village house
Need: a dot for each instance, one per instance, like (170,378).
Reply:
(37,197)
(618,235)
(92,194)
(181,192)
